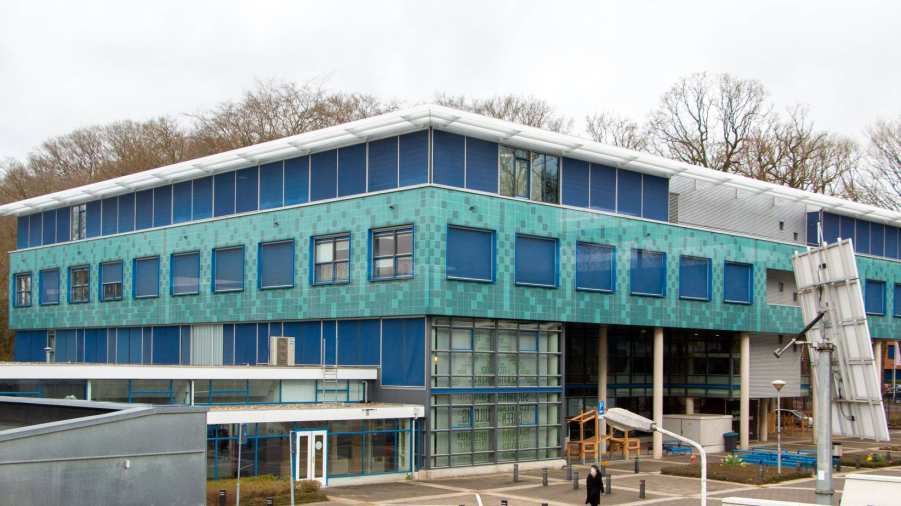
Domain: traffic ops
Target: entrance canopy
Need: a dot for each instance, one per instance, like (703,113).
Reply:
(310,412)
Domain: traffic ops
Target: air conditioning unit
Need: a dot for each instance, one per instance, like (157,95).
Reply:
(281,350)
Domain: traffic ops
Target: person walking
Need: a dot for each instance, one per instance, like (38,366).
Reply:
(594,486)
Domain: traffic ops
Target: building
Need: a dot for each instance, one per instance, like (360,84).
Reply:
(427,289)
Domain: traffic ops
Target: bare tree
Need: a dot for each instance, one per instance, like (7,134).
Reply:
(610,128)
(880,184)
(529,110)
(707,121)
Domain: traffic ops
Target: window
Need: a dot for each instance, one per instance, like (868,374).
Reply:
(694,278)
(545,178)
(79,284)
(514,172)
(470,254)
(49,287)
(78,222)
(874,297)
(648,273)
(228,269)
(392,253)
(898,300)
(331,259)
(111,281)
(146,277)
(536,261)
(738,286)
(595,267)
(276,264)
(23,289)
(185,268)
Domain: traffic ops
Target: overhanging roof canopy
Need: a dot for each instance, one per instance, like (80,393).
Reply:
(452,120)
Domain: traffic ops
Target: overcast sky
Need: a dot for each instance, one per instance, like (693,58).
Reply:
(69,64)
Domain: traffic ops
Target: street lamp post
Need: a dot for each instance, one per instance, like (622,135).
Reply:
(628,420)
(778,384)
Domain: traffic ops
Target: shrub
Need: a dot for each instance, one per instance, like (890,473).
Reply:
(255,490)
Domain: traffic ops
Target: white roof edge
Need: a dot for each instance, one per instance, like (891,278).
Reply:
(453,120)
(38,371)
(313,414)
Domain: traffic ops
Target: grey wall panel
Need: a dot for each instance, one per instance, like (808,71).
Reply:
(781,288)
(765,367)
(206,345)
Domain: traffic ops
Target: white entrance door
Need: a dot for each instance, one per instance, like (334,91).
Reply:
(312,455)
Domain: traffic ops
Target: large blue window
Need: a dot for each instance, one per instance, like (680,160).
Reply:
(23,289)
(146,283)
(228,269)
(165,345)
(481,165)
(202,201)
(185,273)
(576,181)
(403,352)
(603,187)
(449,159)
(92,229)
(383,164)
(162,206)
(35,233)
(655,197)
(79,284)
(64,223)
(536,261)
(861,236)
(413,166)
(595,267)
(331,259)
(297,180)
(49,224)
(738,283)
(272,179)
(276,264)
(628,192)
(358,342)
(22,232)
(126,212)
(470,254)
(647,275)
(246,190)
(391,252)
(111,281)
(181,202)
(874,297)
(109,216)
(49,287)
(143,209)
(877,239)
(352,170)
(897,297)
(694,278)
(892,242)
(245,343)
(324,175)
(224,194)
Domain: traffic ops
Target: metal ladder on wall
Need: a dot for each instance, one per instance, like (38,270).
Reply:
(330,374)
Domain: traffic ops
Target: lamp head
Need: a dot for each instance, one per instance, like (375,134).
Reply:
(778,384)
(627,420)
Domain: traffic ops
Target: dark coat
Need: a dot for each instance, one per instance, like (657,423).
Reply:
(594,487)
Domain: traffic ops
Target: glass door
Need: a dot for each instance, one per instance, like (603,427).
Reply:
(310,449)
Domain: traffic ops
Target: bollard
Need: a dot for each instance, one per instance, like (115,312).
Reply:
(636,463)
(269,501)
(569,472)
(608,487)
(515,473)
(503,502)
(641,489)
(576,480)
(857,462)
(760,472)
(222,497)
(544,477)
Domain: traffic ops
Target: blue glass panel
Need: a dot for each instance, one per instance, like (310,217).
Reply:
(228,266)
(307,341)
(655,198)
(146,277)
(575,182)
(185,273)
(877,239)
(48,223)
(847,228)
(247,189)
(297,180)
(892,242)
(738,283)
(143,209)
(595,266)
(481,165)
(165,345)
(126,212)
(897,297)
(536,261)
(449,159)
(272,180)
(122,341)
(861,236)
(66,348)
(162,206)
(470,254)
(813,218)
(694,278)
(831,227)
(49,286)
(36,232)
(331,343)
(358,342)
(95,346)
(628,192)
(63,225)
(185,342)
(22,232)
(403,352)
(383,164)
(352,170)
(263,343)
(92,220)
(228,344)
(874,297)
(276,264)
(202,207)
(109,216)
(603,187)
(224,194)
(246,343)
(182,200)
(414,158)
(324,175)
(647,275)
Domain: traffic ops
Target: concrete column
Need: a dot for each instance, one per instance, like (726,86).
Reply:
(602,380)
(745,402)
(877,357)
(658,390)
(689,405)
(764,417)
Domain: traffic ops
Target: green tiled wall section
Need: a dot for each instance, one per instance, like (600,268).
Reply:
(430,210)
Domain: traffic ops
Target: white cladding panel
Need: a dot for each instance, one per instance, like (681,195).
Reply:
(206,345)
(780,288)
(765,367)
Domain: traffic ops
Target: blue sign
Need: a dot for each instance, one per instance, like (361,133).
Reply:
(602,408)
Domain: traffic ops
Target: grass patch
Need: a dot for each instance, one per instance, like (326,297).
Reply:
(891,456)
(255,490)
(738,473)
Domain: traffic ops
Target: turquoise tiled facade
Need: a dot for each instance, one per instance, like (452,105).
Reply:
(430,209)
